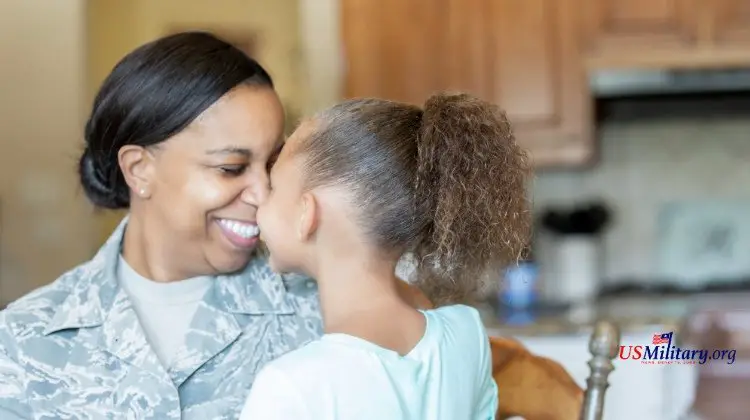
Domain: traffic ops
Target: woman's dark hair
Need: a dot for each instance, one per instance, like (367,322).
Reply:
(446,183)
(152,94)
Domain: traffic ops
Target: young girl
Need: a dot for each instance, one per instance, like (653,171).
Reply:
(353,190)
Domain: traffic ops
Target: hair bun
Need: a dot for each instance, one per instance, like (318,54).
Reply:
(101,190)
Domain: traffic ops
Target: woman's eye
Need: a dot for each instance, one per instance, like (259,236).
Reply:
(232,170)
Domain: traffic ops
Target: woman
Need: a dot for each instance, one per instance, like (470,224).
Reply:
(176,313)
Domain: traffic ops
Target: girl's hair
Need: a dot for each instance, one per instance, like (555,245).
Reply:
(446,183)
(152,94)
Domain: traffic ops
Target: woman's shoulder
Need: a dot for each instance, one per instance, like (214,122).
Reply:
(29,315)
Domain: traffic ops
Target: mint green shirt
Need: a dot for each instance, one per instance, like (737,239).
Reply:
(447,376)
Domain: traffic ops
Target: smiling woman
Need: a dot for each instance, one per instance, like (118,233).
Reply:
(215,170)
(182,134)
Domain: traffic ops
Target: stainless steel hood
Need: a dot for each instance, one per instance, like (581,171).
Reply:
(618,83)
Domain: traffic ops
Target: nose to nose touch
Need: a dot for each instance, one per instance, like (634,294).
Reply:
(255,193)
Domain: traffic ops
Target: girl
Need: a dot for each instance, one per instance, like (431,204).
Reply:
(354,189)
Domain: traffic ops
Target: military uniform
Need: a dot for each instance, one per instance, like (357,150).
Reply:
(75,350)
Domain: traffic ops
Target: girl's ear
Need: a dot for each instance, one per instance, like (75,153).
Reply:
(308,218)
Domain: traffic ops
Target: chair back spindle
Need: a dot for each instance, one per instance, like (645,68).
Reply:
(604,344)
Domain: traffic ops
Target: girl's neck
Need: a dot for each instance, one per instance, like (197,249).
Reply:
(355,291)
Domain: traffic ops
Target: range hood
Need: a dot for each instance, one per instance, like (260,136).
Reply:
(619,83)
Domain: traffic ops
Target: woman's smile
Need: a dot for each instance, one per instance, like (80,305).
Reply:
(241,234)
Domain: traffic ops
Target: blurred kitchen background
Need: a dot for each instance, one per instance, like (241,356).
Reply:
(636,114)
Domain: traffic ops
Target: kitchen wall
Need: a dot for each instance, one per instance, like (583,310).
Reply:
(45,225)
(645,164)
(116,27)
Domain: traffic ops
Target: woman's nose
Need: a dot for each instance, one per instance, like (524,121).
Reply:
(256,191)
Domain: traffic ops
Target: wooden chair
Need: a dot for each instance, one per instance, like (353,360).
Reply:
(538,388)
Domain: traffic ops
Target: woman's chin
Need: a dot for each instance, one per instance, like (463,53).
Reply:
(234,263)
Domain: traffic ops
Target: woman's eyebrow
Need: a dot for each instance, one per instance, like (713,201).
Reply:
(231,150)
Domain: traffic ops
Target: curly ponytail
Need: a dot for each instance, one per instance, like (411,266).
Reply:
(471,179)
(445,183)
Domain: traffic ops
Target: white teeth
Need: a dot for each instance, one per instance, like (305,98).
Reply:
(242,229)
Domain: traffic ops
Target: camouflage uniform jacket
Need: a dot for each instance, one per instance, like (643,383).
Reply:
(75,350)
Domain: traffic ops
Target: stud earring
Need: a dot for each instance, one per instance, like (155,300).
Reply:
(142,192)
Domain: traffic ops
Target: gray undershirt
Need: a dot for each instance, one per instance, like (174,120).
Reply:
(164,310)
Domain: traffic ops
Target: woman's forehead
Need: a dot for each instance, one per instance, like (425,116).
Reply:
(246,114)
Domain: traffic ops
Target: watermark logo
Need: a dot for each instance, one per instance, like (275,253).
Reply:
(662,352)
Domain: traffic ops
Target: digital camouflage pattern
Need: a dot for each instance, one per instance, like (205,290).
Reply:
(75,350)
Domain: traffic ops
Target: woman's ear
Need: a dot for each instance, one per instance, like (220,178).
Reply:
(308,218)
(136,164)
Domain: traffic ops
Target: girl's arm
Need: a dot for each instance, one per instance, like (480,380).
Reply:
(274,396)
(488,399)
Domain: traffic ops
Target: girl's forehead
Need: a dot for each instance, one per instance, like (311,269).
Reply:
(302,132)
(296,140)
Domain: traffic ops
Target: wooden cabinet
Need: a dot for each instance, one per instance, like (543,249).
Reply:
(665,33)
(731,23)
(533,57)
(522,55)
(612,27)
(390,48)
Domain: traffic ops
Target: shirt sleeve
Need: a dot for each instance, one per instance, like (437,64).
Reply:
(487,403)
(12,388)
(274,397)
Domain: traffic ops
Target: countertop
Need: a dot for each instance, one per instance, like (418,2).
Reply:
(633,313)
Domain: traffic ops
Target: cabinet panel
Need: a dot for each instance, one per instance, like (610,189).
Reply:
(731,24)
(617,27)
(390,48)
(466,61)
(505,52)
(540,80)
(526,60)
(665,33)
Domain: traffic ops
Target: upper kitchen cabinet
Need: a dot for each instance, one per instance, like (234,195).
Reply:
(391,48)
(521,54)
(665,33)
(731,24)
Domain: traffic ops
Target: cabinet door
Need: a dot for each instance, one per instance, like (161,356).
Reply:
(640,31)
(538,78)
(731,24)
(521,55)
(390,48)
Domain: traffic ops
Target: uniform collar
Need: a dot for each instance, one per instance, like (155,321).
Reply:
(256,290)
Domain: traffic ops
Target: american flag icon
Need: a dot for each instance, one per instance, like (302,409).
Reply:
(662,338)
